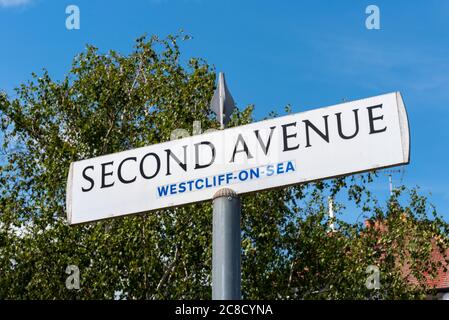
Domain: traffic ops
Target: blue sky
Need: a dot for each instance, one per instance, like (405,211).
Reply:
(304,53)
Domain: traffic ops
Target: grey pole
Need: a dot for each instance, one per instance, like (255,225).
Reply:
(226,272)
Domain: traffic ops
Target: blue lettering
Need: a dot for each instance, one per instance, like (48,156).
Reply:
(207,183)
(243,175)
(173,189)
(196,184)
(162,191)
(220,179)
(182,187)
(290,167)
(254,173)
(280,168)
(270,170)
(228,177)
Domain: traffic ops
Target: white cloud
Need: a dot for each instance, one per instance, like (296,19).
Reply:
(13,3)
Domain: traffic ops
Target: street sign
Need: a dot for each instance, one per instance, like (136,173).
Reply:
(343,139)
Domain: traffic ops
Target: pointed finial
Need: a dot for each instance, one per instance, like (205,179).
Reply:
(222,103)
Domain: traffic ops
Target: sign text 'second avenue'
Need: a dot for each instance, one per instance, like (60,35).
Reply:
(338,140)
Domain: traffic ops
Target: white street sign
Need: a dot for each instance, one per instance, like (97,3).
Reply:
(343,139)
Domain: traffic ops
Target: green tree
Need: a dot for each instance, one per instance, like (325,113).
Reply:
(112,102)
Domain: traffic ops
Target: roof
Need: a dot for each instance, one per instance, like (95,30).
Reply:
(438,280)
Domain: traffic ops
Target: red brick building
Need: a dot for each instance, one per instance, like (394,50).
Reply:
(438,281)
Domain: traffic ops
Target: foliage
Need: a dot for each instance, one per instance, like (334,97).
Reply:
(111,102)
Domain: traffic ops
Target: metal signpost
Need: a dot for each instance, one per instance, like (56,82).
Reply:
(226,270)
(226,274)
(343,139)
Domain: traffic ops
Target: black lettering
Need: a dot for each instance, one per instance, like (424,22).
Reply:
(158,161)
(245,148)
(119,171)
(174,157)
(197,154)
(105,174)
(85,176)
(265,147)
(287,136)
(340,131)
(325,136)
(372,119)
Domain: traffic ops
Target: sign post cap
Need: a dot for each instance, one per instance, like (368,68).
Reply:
(225,192)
